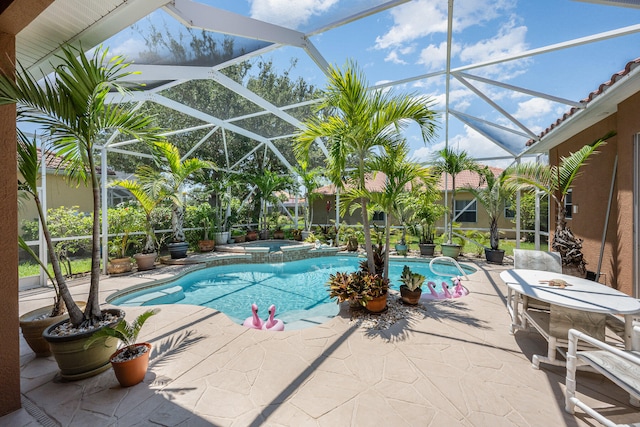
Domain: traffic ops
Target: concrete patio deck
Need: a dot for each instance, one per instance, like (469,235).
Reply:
(454,364)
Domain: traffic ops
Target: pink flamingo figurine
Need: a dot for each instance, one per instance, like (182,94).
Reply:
(434,293)
(272,324)
(459,290)
(445,290)
(253,321)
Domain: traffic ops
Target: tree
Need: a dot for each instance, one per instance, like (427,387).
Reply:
(492,195)
(356,121)
(452,162)
(556,181)
(267,183)
(400,174)
(171,177)
(71,109)
(310,183)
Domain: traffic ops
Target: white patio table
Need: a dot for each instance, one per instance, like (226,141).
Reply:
(580,294)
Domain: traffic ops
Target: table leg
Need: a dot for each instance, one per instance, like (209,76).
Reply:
(628,332)
(513,301)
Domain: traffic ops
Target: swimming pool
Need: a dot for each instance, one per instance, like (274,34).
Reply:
(297,288)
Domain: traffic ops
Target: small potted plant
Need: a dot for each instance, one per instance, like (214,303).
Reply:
(131,361)
(206,244)
(360,289)
(411,288)
(239,236)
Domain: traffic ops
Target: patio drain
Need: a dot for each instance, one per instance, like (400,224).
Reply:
(37,413)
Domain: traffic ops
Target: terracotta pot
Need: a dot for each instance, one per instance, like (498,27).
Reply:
(278,234)
(252,235)
(206,245)
(76,362)
(131,372)
(146,261)
(352,244)
(119,265)
(32,329)
(240,239)
(377,304)
(408,296)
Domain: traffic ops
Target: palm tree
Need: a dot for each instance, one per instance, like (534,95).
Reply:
(452,162)
(172,176)
(492,195)
(29,168)
(310,182)
(556,181)
(71,108)
(267,183)
(400,174)
(149,192)
(356,121)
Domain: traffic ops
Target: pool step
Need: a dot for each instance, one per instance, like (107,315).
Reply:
(162,296)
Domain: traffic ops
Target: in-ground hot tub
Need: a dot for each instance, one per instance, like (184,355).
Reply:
(272,251)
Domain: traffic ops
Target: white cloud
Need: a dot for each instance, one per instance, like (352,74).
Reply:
(394,58)
(435,57)
(509,40)
(289,13)
(533,108)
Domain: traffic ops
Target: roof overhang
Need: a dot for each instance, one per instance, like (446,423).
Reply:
(601,107)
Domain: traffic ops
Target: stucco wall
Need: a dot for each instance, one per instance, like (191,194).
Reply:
(591,194)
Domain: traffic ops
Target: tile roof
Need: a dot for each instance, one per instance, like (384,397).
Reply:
(599,91)
(463,179)
(54,161)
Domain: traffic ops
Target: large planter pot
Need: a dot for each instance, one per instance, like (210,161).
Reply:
(450,250)
(119,265)
(408,296)
(221,237)
(206,245)
(278,234)
(240,239)
(352,244)
(131,372)
(76,362)
(494,256)
(264,235)
(427,249)
(146,261)
(305,234)
(377,304)
(252,235)
(35,322)
(178,250)
(401,249)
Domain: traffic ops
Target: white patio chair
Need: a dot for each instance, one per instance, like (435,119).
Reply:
(620,366)
(536,260)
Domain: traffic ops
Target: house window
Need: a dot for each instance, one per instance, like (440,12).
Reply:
(568,204)
(469,214)
(378,216)
(509,212)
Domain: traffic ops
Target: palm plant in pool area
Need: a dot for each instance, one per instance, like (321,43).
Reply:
(556,181)
(71,108)
(356,121)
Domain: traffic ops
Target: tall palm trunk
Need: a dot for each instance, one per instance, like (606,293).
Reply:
(92,311)
(387,245)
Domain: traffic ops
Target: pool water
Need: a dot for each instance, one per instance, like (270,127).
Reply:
(297,288)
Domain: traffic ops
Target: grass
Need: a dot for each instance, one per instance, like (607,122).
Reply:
(82,265)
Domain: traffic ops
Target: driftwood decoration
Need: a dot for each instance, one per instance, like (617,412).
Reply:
(570,248)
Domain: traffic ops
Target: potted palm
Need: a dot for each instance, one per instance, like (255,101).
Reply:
(310,182)
(492,195)
(71,108)
(122,222)
(451,162)
(171,178)
(556,182)
(427,211)
(411,287)
(131,361)
(267,183)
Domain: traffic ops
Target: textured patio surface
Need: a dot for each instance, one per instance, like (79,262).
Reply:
(454,364)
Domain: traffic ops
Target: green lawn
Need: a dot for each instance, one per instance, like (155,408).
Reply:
(31,269)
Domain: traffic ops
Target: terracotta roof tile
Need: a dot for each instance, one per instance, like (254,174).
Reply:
(604,86)
(53,162)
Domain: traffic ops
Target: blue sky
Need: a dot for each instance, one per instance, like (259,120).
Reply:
(410,40)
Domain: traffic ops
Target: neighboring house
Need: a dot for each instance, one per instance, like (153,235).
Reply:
(473,217)
(614,105)
(60,192)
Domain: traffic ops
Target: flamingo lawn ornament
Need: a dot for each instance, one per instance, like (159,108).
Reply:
(434,294)
(445,290)
(253,321)
(272,324)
